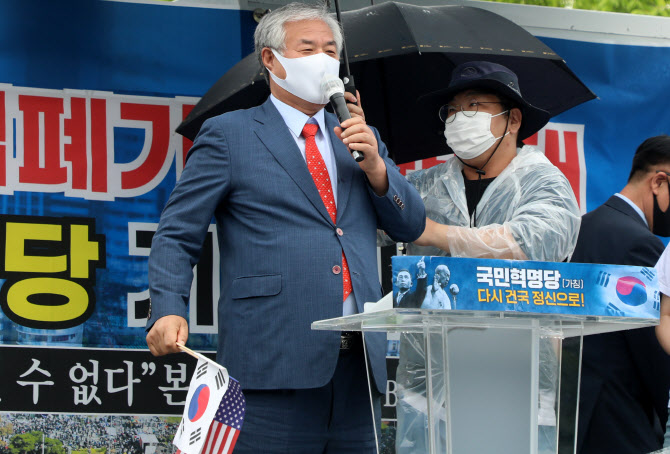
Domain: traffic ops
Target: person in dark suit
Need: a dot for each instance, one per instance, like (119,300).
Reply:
(625,376)
(404,297)
(296,221)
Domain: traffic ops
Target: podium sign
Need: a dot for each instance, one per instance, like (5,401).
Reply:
(534,287)
(482,373)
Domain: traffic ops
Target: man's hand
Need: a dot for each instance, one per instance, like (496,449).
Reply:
(421,268)
(354,104)
(166,332)
(357,135)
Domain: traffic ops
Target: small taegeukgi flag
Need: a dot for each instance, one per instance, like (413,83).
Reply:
(213,413)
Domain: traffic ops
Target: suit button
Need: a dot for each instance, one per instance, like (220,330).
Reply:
(339,231)
(337,269)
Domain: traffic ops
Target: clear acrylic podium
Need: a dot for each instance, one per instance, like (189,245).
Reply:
(482,381)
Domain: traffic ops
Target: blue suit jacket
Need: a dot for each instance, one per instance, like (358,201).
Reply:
(623,403)
(278,247)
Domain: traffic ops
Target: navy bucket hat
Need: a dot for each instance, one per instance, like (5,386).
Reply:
(499,79)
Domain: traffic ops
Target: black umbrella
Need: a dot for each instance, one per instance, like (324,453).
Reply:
(398,53)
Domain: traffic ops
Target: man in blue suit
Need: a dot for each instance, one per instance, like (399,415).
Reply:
(625,375)
(296,224)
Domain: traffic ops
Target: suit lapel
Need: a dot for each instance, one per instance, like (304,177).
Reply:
(622,206)
(275,135)
(345,165)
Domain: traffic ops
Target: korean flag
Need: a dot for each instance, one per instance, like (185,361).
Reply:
(208,385)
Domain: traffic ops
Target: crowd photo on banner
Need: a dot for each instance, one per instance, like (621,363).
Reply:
(204,205)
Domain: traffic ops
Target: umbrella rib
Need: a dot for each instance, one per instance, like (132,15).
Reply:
(409,29)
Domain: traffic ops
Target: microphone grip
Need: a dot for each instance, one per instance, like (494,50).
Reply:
(339,106)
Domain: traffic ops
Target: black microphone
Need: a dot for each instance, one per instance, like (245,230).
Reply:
(333,87)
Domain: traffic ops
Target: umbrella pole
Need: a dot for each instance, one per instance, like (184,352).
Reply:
(348,79)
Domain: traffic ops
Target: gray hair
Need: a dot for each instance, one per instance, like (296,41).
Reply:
(271,31)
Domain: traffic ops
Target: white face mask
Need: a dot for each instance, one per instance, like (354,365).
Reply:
(304,74)
(469,137)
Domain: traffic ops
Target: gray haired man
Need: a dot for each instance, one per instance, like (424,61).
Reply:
(296,221)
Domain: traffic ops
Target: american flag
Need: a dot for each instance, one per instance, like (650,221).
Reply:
(213,416)
(227,422)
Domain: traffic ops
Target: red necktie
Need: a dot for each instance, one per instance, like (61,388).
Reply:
(321,178)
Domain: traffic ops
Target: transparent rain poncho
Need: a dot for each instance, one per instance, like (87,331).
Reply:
(529,212)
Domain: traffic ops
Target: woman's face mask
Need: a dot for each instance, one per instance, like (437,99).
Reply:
(304,75)
(469,137)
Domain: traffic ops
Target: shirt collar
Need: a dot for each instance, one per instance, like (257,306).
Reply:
(296,120)
(635,207)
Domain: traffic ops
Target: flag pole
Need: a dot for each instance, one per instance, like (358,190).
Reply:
(185,349)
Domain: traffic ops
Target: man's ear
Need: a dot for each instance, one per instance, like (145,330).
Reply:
(272,64)
(515,118)
(656,181)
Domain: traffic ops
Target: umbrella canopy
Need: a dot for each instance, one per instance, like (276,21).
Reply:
(399,54)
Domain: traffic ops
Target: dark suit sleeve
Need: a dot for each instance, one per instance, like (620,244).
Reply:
(400,212)
(652,366)
(645,253)
(176,246)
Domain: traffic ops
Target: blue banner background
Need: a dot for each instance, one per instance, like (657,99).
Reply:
(632,84)
(164,50)
(124,48)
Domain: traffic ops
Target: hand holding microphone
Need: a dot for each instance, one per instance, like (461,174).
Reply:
(333,87)
(357,135)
